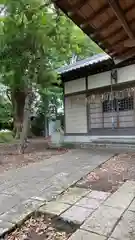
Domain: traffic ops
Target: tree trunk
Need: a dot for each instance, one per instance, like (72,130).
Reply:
(26,123)
(18,101)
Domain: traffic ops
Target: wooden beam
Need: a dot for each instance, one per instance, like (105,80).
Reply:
(74,7)
(120,16)
(77,6)
(117,45)
(114,20)
(119,30)
(95,14)
(127,54)
(121,51)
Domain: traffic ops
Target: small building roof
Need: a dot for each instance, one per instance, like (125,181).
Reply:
(83,63)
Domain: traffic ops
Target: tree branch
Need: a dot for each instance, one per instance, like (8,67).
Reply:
(7,93)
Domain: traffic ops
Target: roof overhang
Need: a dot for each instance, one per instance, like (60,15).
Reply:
(110,23)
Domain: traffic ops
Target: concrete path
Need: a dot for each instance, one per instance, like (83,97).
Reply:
(23,190)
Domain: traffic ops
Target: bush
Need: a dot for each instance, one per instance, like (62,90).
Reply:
(6,136)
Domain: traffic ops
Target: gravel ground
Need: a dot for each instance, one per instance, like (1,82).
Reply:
(42,228)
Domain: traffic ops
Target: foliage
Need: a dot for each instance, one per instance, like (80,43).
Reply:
(49,97)
(80,45)
(6,137)
(36,38)
(6,113)
(24,55)
(34,41)
(52,96)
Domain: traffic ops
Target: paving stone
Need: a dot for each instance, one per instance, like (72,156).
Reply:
(89,203)
(5,227)
(125,230)
(98,195)
(59,172)
(8,201)
(76,214)
(83,235)
(123,196)
(103,220)
(73,195)
(55,208)
(21,211)
(132,206)
(112,239)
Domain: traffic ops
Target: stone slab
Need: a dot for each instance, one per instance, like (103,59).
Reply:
(54,207)
(89,203)
(103,220)
(125,230)
(132,206)
(21,211)
(46,179)
(83,235)
(73,195)
(50,193)
(76,214)
(123,196)
(8,201)
(98,195)
(5,227)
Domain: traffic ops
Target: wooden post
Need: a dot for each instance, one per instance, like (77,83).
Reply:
(87,106)
(134,105)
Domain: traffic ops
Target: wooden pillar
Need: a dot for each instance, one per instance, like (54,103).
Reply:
(102,100)
(64,108)
(134,106)
(87,106)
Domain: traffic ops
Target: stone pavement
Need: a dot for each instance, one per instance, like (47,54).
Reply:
(26,189)
(100,215)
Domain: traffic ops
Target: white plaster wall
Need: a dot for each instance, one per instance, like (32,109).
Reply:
(99,80)
(75,114)
(75,86)
(126,74)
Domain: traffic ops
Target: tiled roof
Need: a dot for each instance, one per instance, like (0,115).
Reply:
(83,63)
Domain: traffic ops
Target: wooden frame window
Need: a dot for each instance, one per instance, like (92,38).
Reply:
(124,104)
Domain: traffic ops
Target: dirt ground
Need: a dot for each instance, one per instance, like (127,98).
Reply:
(43,228)
(36,151)
(110,175)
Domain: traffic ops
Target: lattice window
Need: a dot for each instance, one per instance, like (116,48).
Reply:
(109,105)
(124,104)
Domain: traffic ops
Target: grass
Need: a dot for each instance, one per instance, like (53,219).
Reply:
(6,137)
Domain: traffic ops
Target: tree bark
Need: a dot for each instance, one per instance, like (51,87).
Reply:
(18,101)
(26,123)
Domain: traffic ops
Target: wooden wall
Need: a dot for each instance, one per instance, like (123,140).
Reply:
(75,117)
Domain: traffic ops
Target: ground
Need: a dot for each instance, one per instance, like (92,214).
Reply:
(111,174)
(43,227)
(56,180)
(36,151)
